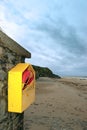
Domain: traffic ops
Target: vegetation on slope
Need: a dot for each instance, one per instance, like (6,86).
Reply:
(44,72)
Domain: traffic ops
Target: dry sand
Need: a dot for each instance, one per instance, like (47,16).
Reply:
(61,104)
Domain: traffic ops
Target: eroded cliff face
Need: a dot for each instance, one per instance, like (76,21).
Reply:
(44,72)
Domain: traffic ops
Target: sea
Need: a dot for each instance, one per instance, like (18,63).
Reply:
(79,77)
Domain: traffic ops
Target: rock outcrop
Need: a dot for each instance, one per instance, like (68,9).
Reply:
(44,72)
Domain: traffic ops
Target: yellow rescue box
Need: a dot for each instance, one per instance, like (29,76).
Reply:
(21,87)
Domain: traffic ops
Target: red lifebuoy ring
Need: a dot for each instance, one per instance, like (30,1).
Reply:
(27,78)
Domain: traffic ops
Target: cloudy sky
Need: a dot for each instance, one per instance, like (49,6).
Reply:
(54,31)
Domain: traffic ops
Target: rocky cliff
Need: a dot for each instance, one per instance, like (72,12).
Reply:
(44,72)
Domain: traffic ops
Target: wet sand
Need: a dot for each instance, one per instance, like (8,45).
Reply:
(61,104)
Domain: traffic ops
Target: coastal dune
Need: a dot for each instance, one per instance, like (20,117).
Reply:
(61,104)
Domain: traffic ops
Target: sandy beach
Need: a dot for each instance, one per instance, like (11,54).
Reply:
(61,104)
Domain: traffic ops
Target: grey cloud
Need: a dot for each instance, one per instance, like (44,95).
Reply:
(64,35)
(59,48)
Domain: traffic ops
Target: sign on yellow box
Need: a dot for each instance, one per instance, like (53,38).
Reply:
(21,87)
